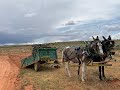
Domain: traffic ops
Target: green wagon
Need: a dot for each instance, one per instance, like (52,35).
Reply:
(40,56)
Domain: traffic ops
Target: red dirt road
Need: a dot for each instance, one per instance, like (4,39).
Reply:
(8,73)
(9,70)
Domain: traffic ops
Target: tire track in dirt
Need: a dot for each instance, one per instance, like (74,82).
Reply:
(8,73)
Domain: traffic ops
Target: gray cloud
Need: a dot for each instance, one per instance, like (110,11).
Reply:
(25,21)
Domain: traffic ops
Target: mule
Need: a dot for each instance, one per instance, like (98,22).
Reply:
(94,55)
(71,54)
(80,55)
(107,46)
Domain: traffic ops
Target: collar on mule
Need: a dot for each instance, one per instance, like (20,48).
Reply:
(93,55)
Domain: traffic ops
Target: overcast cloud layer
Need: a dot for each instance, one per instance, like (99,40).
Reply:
(43,21)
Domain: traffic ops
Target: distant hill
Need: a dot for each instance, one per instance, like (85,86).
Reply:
(59,45)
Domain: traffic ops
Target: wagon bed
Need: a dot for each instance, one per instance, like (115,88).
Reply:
(39,55)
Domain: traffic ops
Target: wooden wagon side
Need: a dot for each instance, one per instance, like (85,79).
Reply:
(40,55)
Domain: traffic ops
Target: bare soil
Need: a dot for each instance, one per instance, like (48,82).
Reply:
(9,71)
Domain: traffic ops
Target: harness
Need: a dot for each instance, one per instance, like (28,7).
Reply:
(95,57)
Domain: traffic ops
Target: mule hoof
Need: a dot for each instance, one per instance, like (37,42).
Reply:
(100,79)
(104,78)
(83,80)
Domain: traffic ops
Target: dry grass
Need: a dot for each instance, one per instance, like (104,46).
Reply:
(15,49)
(57,79)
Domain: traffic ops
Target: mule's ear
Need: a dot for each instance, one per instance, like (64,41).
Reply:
(109,38)
(97,38)
(104,38)
(93,38)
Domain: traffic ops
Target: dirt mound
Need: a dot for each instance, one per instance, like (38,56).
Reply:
(16,58)
(114,82)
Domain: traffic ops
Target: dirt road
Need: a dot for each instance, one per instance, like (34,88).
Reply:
(8,73)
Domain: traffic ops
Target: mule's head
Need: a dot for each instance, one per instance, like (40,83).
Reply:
(108,43)
(96,44)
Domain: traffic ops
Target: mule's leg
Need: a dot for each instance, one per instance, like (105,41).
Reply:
(100,73)
(79,69)
(64,64)
(83,71)
(67,68)
(103,73)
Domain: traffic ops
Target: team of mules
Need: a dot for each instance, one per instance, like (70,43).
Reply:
(93,51)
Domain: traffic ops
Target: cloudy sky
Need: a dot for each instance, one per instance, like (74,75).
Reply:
(43,21)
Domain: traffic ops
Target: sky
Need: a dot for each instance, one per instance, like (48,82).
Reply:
(44,21)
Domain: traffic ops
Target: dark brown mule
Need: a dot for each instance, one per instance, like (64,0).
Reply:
(107,45)
(94,55)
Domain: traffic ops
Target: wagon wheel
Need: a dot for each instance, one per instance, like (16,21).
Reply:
(36,66)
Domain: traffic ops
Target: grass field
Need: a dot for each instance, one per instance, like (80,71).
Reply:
(56,79)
